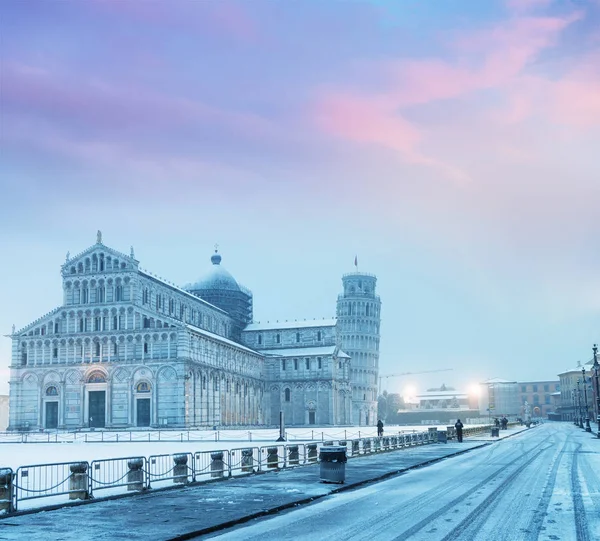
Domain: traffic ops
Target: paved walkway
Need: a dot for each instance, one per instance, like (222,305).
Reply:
(189,512)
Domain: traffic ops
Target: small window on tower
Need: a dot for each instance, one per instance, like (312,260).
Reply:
(278,338)
(259,339)
(319,362)
(295,364)
(319,336)
(297,337)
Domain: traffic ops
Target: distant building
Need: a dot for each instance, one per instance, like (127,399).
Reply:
(439,406)
(499,397)
(538,394)
(129,349)
(573,393)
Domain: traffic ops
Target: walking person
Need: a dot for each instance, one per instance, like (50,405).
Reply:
(379,428)
(459,426)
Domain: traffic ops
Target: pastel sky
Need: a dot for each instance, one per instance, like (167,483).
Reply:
(452,146)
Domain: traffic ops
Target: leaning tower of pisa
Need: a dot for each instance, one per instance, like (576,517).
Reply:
(358,312)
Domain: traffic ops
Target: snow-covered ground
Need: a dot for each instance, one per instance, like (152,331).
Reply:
(543,484)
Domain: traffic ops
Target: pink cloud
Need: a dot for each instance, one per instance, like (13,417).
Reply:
(496,59)
(525,6)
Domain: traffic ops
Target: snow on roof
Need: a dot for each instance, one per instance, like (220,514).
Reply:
(302,352)
(443,394)
(276,325)
(497,380)
(222,339)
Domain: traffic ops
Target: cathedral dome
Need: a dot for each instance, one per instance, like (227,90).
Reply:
(217,278)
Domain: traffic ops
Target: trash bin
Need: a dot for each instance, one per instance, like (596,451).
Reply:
(333,464)
(495,432)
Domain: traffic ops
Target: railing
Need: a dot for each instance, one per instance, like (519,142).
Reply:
(113,476)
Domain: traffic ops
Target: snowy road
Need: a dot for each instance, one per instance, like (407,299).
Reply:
(541,484)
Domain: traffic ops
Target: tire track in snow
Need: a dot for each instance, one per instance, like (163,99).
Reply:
(478,513)
(581,525)
(534,527)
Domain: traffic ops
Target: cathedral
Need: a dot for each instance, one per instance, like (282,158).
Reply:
(129,349)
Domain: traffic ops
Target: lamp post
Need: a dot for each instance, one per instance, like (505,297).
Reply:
(588,428)
(596,368)
(579,411)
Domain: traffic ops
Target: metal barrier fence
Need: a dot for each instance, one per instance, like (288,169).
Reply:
(82,480)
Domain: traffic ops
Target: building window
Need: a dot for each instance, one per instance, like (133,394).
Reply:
(523,388)
(259,339)
(145,347)
(307,364)
(85,298)
(287,394)
(145,296)
(23,358)
(319,363)
(546,389)
(278,338)
(115,349)
(547,399)
(56,328)
(119,293)
(96,324)
(146,323)
(101,294)
(80,324)
(283,364)
(115,323)
(295,364)
(55,353)
(297,337)
(97,349)
(52,391)
(535,389)
(340,364)
(319,336)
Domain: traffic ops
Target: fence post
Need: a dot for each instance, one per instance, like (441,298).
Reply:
(6,486)
(247,461)
(135,475)
(216,464)
(180,470)
(312,452)
(272,457)
(294,455)
(78,481)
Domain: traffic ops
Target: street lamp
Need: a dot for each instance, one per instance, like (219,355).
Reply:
(596,368)
(588,428)
(574,406)
(579,411)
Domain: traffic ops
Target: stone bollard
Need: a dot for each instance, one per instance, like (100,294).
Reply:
(294,455)
(247,461)
(311,452)
(377,444)
(135,475)
(386,443)
(78,486)
(367,445)
(451,431)
(180,470)
(272,458)
(432,430)
(355,447)
(6,481)
(216,464)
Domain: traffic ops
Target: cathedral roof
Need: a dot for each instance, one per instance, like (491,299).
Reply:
(304,352)
(216,279)
(281,325)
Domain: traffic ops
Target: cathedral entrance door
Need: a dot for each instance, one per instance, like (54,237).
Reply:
(311,418)
(143,411)
(51,414)
(97,409)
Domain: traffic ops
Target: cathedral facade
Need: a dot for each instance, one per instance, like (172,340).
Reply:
(129,349)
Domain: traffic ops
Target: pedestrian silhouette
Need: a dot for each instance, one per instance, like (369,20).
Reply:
(459,427)
(379,428)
